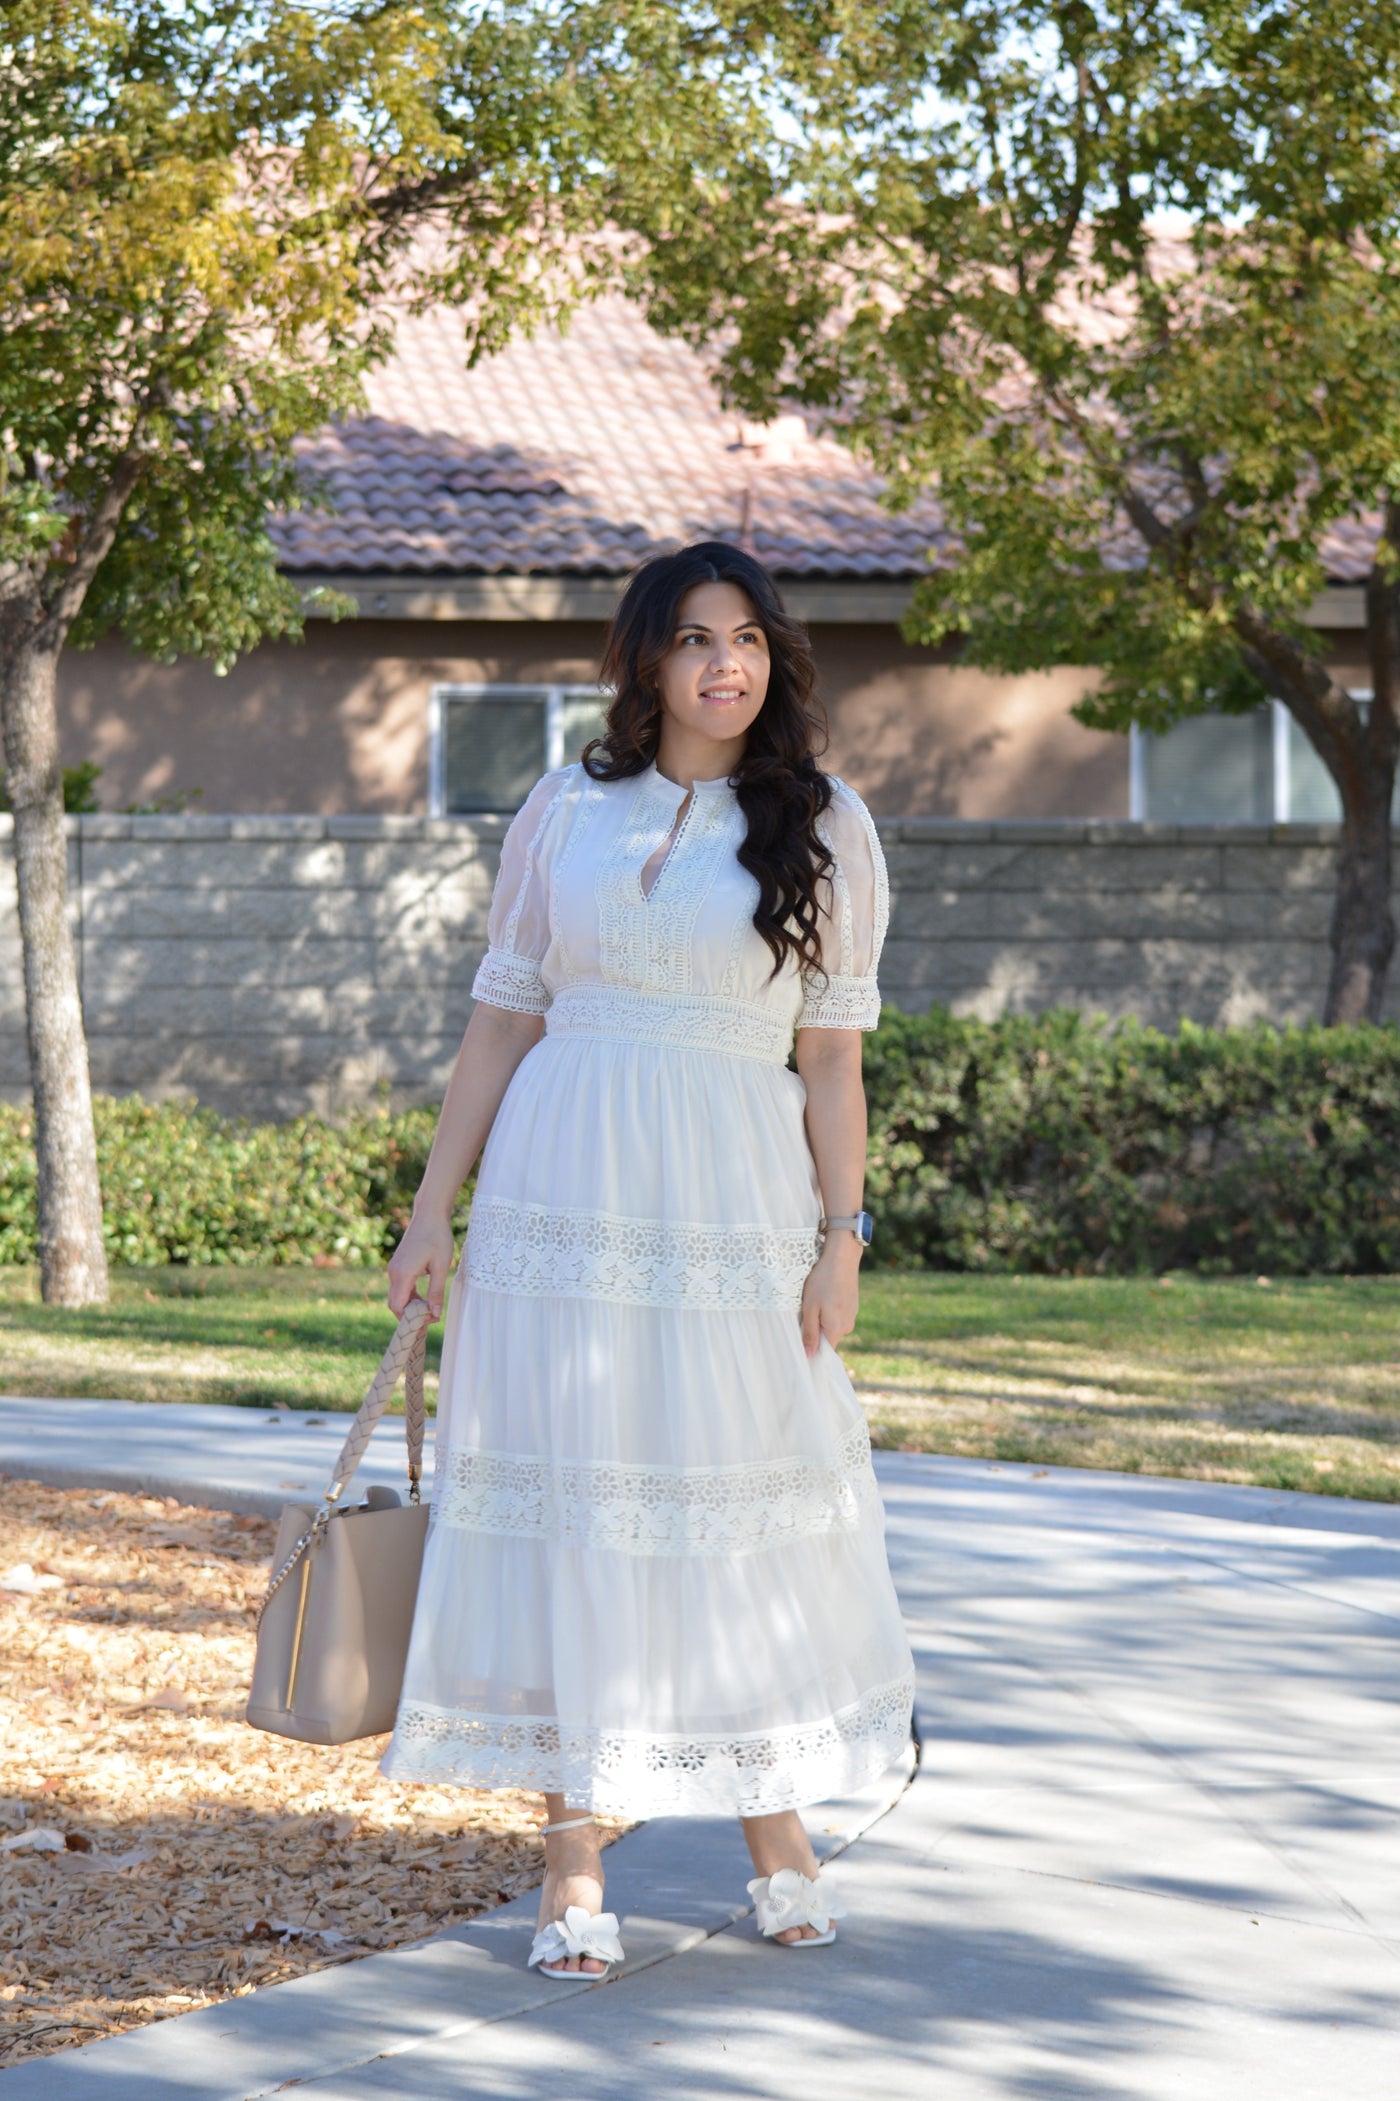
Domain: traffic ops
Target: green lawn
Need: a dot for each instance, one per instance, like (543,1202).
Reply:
(1294,1384)
(1288,1384)
(307,1337)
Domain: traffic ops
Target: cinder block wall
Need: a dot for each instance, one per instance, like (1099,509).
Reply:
(267,965)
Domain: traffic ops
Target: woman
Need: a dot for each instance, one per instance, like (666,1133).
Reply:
(655,1580)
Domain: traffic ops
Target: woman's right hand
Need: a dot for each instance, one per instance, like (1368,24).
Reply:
(425,1250)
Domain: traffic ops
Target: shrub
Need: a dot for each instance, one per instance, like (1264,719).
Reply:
(180,1184)
(79,789)
(1060,1143)
(1046,1143)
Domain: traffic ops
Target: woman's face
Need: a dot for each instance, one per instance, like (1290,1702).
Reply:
(715,675)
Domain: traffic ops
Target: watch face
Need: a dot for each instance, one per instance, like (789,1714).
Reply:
(866,1228)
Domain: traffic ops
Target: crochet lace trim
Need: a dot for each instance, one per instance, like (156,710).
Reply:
(841,1003)
(538,1251)
(737,1028)
(653,1510)
(633,1772)
(513,982)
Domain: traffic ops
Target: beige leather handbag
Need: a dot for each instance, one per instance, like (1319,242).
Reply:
(333,1629)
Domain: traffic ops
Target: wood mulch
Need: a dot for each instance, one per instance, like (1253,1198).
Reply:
(157,1854)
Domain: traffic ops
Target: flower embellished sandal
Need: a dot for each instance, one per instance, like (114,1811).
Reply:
(788,1899)
(592,1936)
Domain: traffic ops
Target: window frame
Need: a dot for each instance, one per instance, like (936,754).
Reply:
(554,694)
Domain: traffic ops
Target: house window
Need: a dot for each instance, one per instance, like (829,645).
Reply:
(1233,769)
(1210,769)
(488,745)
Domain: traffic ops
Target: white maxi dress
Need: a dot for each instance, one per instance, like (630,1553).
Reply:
(655,1578)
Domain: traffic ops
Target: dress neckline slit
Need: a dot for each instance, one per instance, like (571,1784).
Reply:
(666,850)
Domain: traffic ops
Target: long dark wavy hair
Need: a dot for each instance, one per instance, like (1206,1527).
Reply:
(781,789)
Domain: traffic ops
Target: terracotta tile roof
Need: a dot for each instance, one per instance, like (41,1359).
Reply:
(1349,548)
(581,454)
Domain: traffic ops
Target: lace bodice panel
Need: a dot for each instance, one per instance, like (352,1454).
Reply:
(572,935)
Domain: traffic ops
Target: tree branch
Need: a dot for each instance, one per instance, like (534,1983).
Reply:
(63,604)
(1154,530)
(392,207)
(1322,706)
(1193,473)
(1079,189)
(1383,642)
(999,186)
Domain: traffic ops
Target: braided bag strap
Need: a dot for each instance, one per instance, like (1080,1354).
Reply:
(403,1358)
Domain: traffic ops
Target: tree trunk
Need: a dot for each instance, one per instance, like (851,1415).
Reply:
(1363,926)
(1360,749)
(1363,761)
(72,1258)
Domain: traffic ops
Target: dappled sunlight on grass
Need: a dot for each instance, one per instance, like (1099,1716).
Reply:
(257,1337)
(1293,1385)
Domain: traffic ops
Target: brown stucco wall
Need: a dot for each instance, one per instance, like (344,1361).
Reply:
(338,724)
(920,736)
(334,725)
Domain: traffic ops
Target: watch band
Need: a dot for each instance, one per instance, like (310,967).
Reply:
(860,1223)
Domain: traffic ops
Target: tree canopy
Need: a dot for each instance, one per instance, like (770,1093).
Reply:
(1122,284)
(211,212)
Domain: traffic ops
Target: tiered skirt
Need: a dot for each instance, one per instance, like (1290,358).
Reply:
(655,1579)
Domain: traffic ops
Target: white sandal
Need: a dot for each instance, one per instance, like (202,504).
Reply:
(788,1899)
(592,1936)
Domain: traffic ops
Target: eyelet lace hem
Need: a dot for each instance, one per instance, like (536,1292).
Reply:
(734,1028)
(536,1251)
(513,982)
(643,1510)
(841,1003)
(620,1772)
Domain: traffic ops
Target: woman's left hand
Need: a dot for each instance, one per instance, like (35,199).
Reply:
(831,1294)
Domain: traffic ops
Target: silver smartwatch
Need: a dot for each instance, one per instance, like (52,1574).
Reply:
(861,1224)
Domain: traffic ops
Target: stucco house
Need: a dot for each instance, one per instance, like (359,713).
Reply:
(482,523)
(305,935)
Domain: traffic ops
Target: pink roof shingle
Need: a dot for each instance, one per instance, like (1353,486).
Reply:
(580,453)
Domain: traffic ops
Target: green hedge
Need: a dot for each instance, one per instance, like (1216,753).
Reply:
(1055,1143)
(184,1185)
(1052,1143)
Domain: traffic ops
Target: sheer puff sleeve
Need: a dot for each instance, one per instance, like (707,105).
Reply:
(853,921)
(517,930)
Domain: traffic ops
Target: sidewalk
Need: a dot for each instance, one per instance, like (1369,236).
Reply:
(246,1459)
(1151,1852)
